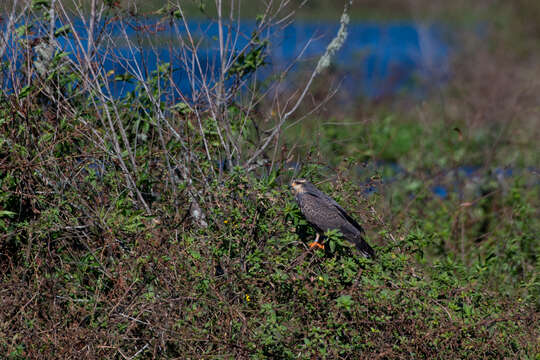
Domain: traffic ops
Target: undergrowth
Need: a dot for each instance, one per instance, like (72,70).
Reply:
(248,285)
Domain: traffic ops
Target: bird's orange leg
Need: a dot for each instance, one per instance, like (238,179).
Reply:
(316,243)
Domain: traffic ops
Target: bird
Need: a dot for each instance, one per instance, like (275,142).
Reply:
(324,214)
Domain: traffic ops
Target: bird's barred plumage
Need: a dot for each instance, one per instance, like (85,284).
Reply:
(324,213)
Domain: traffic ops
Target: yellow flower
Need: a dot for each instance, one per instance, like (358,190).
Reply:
(321,278)
(247,298)
(225,221)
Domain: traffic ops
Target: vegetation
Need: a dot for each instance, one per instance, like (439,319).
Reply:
(157,224)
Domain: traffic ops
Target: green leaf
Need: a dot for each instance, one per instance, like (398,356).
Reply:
(181,107)
(7,213)
(25,91)
(345,302)
(39,4)
(23,30)
(62,31)
(177,14)
(45,138)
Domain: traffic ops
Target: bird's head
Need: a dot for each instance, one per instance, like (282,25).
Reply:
(299,185)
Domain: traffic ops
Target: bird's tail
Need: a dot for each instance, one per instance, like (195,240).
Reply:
(364,248)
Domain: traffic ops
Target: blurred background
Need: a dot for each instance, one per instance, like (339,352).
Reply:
(437,93)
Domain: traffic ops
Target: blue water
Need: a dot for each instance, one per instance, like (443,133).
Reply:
(377,60)
(463,181)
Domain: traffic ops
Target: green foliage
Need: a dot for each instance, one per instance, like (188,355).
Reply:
(249,61)
(248,284)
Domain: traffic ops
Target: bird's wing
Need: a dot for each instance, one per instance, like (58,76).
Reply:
(329,201)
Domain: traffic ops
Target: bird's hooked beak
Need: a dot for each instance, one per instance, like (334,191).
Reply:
(297,186)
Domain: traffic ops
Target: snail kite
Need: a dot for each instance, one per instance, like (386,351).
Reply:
(324,214)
